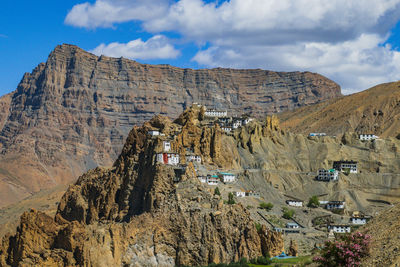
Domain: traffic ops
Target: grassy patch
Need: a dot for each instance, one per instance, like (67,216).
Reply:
(286,262)
(276,221)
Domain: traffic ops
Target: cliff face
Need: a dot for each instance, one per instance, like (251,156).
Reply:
(73,112)
(376,111)
(134,214)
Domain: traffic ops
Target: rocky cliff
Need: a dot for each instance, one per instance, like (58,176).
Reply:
(376,111)
(143,213)
(73,112)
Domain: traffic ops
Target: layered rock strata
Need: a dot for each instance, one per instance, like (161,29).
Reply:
(74,112)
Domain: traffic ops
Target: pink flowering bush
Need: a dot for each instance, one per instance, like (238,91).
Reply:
(348,251)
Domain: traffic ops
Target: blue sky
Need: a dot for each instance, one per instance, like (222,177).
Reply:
(355,43)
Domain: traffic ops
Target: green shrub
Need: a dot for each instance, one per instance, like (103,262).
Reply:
(258,226)
(217,192)
(267,206)
(313,202)
(287,213)
(231,201)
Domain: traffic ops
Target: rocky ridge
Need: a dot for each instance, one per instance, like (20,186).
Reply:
(74,112)
(134,214)
(106,204)
(373,111)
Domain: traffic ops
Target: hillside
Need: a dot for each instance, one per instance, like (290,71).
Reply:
(376,110)
(385,245)
(112,214)
(74,112)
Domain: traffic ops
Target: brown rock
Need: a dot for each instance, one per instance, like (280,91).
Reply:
(293,248)
(135,214)
(74,112)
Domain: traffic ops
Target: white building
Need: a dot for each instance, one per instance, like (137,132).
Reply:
(167,146)
(226,129)
(339,228)
(154,133)
(227,177)
(240,194)
(236,124)
(359,220)
(252,194)
(333,205)
(212,180)
(216,113)
(327,175)
(193,158)
(368,137)
(247,121)
(345,165)
(168,158)
(294,203)
(317,134)
(202,178)
(292,225)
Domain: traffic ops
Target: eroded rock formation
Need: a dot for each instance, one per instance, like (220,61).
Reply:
(136,214)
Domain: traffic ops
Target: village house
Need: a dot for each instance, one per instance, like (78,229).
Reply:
(193,158)
(237,123)
(168,158)
(317,134)
(226,129)
(167,146)
(368,137)
(154,133)
(215,113)
(251,193)
(333,205)
(327,175)
(224,120)
(339,228)
(227,177)
(202,178)
(344,165)
(240,194)
(359,218)
(212,180)
(292,225)
(294,203)
(246,121)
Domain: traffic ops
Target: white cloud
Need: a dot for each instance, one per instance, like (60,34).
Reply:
(357,64)
(341,39)
(104,13)
(157,47)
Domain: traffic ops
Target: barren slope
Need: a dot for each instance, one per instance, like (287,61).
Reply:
(376,110)
(385,233)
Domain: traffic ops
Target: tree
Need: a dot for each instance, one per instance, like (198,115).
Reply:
(267,206)
(287,213)
(313,202)
(231,201)
(348,251)
(217,192)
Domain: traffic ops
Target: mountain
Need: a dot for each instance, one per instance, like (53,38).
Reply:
(137,214)
(74,112)
(140,212)
(373,111)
